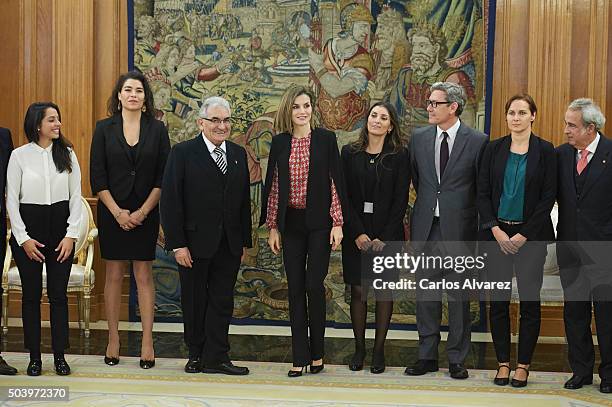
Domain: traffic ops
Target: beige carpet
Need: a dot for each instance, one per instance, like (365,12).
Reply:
(92,383)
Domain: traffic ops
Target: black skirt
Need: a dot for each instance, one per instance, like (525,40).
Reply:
(136,244)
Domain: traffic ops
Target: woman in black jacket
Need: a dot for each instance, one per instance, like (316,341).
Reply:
(304,201)
(128,155)
(516,192)
(377,173)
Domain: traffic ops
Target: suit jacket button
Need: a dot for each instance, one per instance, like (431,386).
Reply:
(133,173)
(439,192)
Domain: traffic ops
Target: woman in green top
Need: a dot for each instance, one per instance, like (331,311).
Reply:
(516,192)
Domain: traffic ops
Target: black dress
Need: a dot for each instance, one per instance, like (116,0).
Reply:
(382,179)
(136,244)
(129,174)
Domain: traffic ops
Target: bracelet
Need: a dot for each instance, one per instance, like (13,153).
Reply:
(142,213)
(119,212)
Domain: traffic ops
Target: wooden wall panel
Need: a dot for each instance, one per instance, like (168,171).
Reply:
(556,50)
(10,67)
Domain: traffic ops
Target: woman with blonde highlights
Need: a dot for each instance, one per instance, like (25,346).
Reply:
(303,202)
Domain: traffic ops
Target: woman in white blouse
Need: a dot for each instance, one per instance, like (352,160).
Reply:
(43,204)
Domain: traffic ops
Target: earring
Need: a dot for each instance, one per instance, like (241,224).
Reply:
(144,108)
(119,106)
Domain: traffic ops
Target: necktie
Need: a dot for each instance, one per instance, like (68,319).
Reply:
(583,162)
(443,153)
(220,160)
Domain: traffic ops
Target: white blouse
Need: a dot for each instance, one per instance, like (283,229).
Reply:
(31,178)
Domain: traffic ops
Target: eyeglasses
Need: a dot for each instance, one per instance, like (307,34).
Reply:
(434,103)
(216,121)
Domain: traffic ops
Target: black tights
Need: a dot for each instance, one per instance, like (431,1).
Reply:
(359,312)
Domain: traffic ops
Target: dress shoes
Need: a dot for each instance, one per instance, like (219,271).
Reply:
(422,367)
(314,369)
(61,367)
(605,386)
(457,371)
(378,364)
(356,363)
(576,382)
(502,381)
(111,360)
(517,382)
(6,369)
(34,368)
(226,368)
(297,373)
(194,365)
(147,364)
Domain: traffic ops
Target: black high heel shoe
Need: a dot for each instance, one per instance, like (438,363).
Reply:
(517,382)
(314,369)
(297,373)
(378,364)
(356,362)
(502,381)
(147,364)
(112,360)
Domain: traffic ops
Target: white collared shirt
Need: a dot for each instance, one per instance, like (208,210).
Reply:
(452,133)
(211,147)
(31,178)
(591,148)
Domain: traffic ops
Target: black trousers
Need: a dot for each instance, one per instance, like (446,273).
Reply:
(528,266)
(47,224)
(207,299)
(587,290)
(306,257)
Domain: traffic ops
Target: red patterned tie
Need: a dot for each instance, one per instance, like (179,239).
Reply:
(582,163)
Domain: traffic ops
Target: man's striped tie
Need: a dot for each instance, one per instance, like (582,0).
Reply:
(220,160)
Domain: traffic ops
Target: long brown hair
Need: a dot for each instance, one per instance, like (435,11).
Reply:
(112,104)
(282,120)
(394,138)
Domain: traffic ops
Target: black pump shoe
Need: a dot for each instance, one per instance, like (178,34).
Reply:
(61,367)
(356,362)
(314,369)
(297,373)
(378,364)
(35,368)
(112,360)
(520,383)
(147,364)
(502,381)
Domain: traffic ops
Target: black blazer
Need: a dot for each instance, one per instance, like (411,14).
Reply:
(6,146)
(112,167)
(588,217)
(540,187)
(198,203)
(390,198)
(324,162)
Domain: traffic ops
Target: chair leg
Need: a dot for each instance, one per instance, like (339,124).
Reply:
(86,309)
(5,311)
(79,310)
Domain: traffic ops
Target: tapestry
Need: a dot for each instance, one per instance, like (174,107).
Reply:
(352,53)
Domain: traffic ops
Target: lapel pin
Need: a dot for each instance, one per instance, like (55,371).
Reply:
(603,161)
(236,161)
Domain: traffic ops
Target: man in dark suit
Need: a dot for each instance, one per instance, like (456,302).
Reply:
(206,216)
(6,146)
(444,159)
(584,233)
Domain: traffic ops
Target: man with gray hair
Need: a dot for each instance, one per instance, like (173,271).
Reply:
(206,216)
(584,233)
(445,158)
